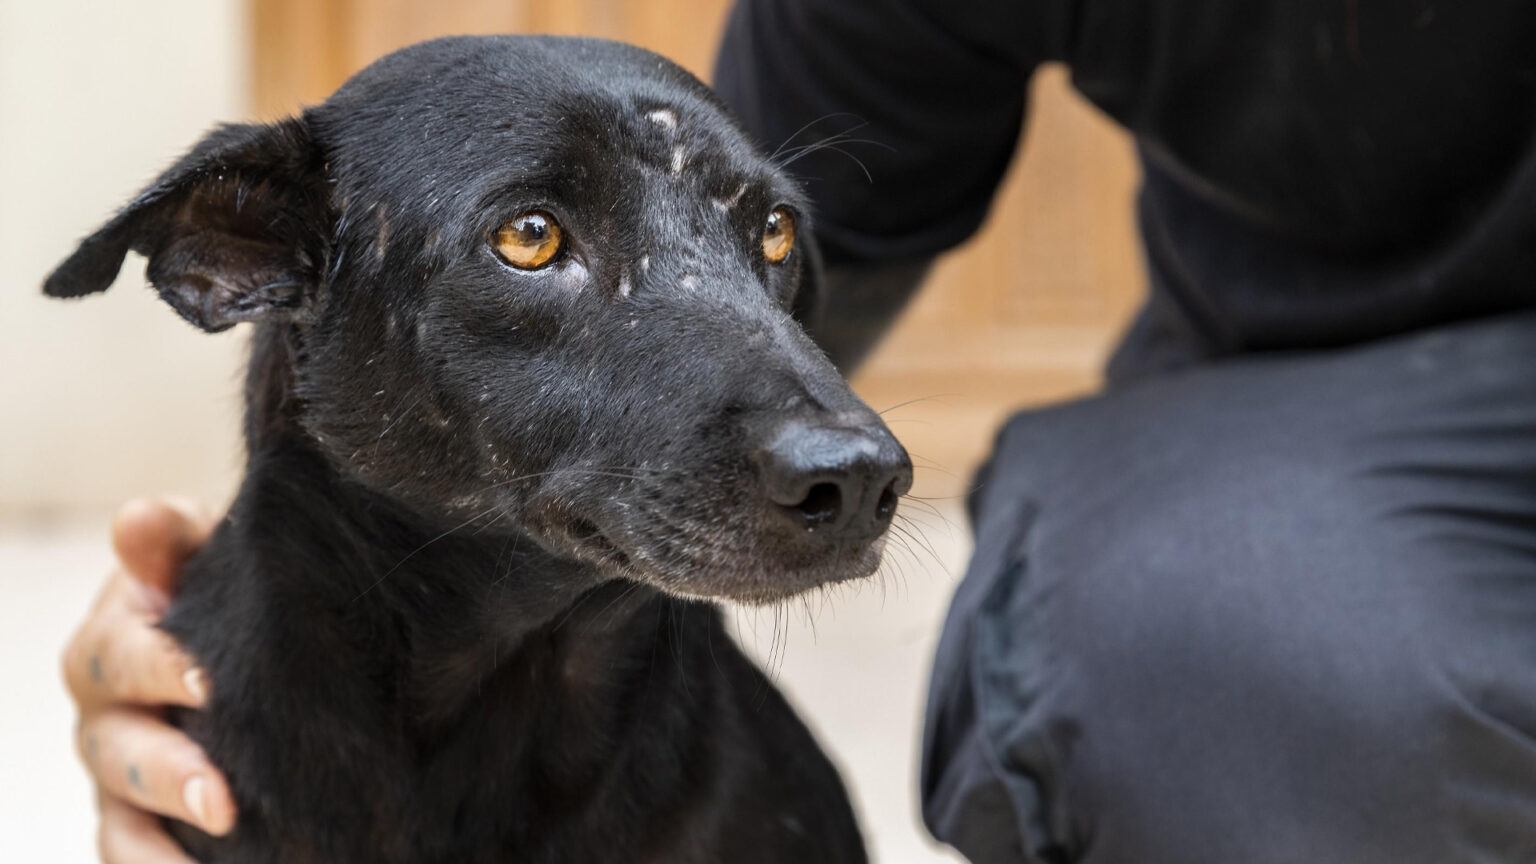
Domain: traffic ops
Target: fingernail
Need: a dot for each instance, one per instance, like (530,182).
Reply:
(192,795)
(192,679)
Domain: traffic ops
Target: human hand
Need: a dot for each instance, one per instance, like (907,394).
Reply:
(121,671)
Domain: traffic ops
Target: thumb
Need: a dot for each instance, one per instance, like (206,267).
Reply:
(153,537)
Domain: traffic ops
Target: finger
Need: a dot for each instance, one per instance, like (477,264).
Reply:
(135,757)
(154,537)
(119,655)
(131,836)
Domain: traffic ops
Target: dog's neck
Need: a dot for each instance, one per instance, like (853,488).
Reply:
(524,690)
(466,601)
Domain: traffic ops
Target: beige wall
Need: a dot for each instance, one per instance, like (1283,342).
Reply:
(109,396)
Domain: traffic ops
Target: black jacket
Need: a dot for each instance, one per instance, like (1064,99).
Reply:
(1316,172)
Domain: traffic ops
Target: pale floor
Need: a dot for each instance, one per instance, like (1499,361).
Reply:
(856,668)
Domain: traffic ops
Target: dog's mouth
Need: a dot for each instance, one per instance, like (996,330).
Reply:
(688,560)
(590,543)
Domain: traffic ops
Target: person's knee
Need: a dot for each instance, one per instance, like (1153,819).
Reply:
(1232,611)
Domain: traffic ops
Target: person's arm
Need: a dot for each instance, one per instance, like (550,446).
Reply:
(937,86)
(121,670)
(858,303)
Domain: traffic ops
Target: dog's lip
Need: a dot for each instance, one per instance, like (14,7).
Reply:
(786,587)
(718,580)
(589,535)
(718,574)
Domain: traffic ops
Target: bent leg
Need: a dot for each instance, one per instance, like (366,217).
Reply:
(1278,610)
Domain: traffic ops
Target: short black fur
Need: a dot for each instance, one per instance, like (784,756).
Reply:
(458,611)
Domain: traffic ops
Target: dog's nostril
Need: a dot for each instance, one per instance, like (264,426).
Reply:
(821,504)
(886,506)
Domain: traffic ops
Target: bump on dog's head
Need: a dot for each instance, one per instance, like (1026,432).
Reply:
(609,402)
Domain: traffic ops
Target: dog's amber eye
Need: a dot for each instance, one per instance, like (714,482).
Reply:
(778,235)
(529,240)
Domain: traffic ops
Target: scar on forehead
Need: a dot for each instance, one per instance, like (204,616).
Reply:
(724,205)
(624,286)
(663,117)
(645,263)
(678,157)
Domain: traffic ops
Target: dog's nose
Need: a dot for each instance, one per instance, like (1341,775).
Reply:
(838,481)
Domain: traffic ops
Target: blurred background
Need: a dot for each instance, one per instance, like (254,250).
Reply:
(113,396)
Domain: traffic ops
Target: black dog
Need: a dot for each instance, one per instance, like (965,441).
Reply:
(524,388)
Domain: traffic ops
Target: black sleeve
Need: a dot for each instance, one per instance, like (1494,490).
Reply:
(938,85)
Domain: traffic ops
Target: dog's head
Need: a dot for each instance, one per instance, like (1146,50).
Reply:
(542,281)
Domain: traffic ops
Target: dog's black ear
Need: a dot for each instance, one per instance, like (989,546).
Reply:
(236,229)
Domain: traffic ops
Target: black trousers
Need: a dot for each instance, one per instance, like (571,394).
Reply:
(1270,610)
